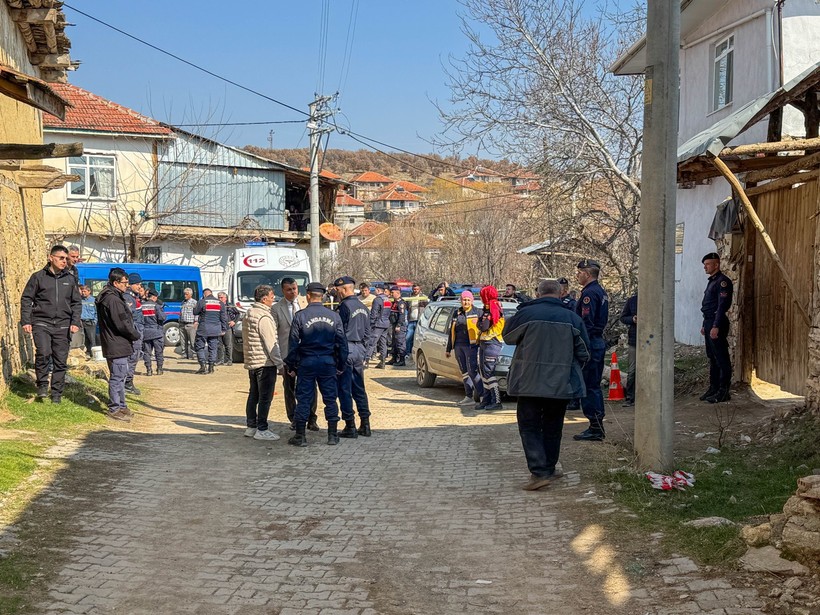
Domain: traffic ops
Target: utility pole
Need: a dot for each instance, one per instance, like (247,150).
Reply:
(319,112)
(655,394)
(270,139)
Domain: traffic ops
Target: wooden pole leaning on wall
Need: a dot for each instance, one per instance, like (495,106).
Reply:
(758,224)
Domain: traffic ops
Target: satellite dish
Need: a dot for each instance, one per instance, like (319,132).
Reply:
(331,232)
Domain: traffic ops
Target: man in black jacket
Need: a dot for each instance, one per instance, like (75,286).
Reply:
(117,335)
(629,316)
(50,311)
(226,341)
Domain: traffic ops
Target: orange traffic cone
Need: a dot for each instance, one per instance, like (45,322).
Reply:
(616,390)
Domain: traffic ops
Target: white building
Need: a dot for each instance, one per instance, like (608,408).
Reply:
(732,51)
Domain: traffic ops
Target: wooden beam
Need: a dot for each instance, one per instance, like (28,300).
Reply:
(28,36)
(774,147)
(34,16)
(42,178)
(767,241)
(787,168)
(29,151)
(786,182)
(51,36)
(10,165)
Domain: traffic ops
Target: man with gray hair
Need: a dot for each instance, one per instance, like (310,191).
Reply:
(551,345)
(187,322)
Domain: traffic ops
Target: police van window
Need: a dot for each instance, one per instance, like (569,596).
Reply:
(249,280)
(171,290)
(442,320)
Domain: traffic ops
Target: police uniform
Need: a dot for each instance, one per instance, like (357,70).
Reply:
(379,325)
(398,328)
(153,335)
(317,351)
(717,299)
(593,308)
(213,322)
(135,305)
(356,323)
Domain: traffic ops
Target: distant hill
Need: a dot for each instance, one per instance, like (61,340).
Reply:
(398,165)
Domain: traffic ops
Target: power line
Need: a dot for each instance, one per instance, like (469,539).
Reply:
(349,38)
(189,63)
(239,123)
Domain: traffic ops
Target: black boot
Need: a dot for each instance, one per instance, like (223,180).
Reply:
(711,391)
(149,371)
(391,361)
(130,388)
(381,364)
(298,439)
(721,396)
(364,428)
(332,436)
(400,363)
(349,431)
(210,368)
(159,370)
(203,369)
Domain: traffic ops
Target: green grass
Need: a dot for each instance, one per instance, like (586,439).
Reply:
(16,574)
(739,484)
(17,461)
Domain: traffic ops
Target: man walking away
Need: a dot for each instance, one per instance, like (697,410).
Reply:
(356,324)
(187,323)
(226,341)
(117,335)
(318,353)
(379,326)
(133,297)
(88,316)
(398,325)
(629,316)
(213,322)
(50,310)
(153,334)
(260,349)
(715,331)
(551,345)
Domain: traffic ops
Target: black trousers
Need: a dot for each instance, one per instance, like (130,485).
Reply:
(720,363)
(289,384)
(540,425)
(90,334)
(226,347)
(51,344)
(262,384)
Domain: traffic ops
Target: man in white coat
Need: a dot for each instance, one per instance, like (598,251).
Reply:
(283,311)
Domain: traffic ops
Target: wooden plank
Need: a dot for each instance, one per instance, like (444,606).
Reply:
(34,16)
(29,151)
(42,177)
(788,167)
(786,182)
(791,145)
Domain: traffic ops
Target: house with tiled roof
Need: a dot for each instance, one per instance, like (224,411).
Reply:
(370,184)
(349,211)
(365,231)
(483,175)
(409,186)
(147,191)
(396,202)
(324,173)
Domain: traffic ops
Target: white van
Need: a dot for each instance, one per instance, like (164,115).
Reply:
(257,264)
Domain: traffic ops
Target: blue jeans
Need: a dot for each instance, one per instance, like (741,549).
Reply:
(487,357)
(351,384)
(540,425)
(116,383)
(467,358)
(313,371)
(411,336)
(593,403)
(260,396)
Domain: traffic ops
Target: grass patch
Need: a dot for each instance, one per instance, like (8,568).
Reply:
(739,483)
(17,461)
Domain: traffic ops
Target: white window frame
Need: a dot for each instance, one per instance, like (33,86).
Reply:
(87,167)
(728,56)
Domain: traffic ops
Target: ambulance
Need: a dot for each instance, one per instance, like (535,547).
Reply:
(262,263)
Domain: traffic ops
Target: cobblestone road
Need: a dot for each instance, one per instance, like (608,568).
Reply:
(178,513)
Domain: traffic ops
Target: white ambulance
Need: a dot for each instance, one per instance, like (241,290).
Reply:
(260,263)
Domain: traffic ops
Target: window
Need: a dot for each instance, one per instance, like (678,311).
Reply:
(150,254)
(442,320)
(97,179)
(722,70)
(249,280)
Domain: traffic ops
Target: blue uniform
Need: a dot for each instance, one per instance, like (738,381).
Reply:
(135,305)
(569,303)
(317,350)
(153,335)
(593,308)
(716,303)
(356,323)
(379,325)
(213,322)
(398,327)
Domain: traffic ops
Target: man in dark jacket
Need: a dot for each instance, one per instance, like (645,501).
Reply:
(629,316)
(226,341)
(398,326)
(50,311)
(133,297)
(350,383)
(213,322)
(117,336)
(551,345)
(153,333)
(379,325)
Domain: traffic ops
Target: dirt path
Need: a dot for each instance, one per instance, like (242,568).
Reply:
(178,513)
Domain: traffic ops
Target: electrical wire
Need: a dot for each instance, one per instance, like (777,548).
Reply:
(349,39)
(324,26)
(238,123)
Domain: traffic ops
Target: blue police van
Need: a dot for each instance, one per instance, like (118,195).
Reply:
(168,280)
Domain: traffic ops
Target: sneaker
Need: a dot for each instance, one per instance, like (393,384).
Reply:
(590,436)
(479,406)
(266,434)
(126,411)
(119,415)
(466,401)
(130,388)
(491,407)
(628,404)
(42,393)
(56,399)
(250,432)
(538,482)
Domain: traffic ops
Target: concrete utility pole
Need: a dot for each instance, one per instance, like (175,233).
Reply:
(655,394)
(318,113)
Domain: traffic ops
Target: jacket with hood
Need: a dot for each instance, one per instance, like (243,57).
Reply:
(51,299)
(117,330)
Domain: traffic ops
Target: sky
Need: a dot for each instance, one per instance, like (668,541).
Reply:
(273,47)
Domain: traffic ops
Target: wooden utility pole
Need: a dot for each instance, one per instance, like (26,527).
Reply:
(655,382)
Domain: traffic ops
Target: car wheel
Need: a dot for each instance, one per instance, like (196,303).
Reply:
(172,334)
(424,377)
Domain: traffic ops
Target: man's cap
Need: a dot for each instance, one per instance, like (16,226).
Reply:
(392,288)
(562,281)
(587,263)
(712,256)
(315,287)
(379,286)
(134,278)
(345,279)
(152,293)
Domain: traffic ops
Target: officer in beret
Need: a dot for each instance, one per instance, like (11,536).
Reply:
(317,353)
(213,322)
(593,308)
(379,325)
(398,326)
(133,297)
(356,322)
(153,335)
(716,303)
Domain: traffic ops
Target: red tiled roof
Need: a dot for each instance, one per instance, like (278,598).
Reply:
(92,112)
(343,198)
(397,195)
(324,173)
(368,229)
(408,186)
(530,186)
(371,177)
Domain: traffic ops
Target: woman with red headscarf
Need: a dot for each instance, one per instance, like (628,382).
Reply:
(490,326)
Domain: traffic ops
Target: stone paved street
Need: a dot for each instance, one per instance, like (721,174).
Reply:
(178,513)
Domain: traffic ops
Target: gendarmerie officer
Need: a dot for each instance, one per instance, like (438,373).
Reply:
(153,335)
(133,298)
(356,322)
(593,308)
(379,326)
(398,326)
(566,299)
(317,354)
(213,322)
(716,303)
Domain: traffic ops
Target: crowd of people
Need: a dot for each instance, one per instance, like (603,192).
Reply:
(559,346)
